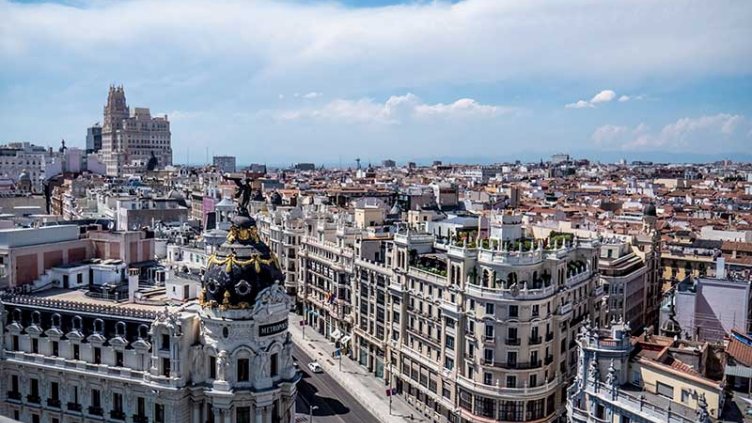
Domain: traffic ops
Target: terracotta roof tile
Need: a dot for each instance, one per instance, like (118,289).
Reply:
(741,352)
(683,367)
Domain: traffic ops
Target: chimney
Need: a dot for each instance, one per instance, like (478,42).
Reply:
(132,283)
(720,268)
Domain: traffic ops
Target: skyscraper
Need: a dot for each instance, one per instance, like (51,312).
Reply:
(133,141)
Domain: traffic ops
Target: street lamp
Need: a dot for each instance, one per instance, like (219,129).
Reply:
(391,389)
(310,412)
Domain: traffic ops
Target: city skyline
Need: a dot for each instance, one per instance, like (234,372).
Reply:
(328,82)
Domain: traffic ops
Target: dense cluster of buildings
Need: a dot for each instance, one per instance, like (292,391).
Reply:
(512,292)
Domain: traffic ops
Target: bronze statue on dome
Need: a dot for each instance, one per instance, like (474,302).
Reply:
(243,191)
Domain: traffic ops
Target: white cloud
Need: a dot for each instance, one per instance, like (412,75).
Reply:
(579,104)
(402,45)
(604,96)
(312,95)
(395,110)
(606,133)
(624,98)
(725,132)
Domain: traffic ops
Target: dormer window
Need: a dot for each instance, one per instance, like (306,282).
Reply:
(143,332)
(36,317)
(99,326)
(120,329)
(56,320)
(77,323)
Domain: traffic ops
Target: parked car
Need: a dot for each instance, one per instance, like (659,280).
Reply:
(315,367)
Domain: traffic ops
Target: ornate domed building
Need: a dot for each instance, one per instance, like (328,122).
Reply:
(240,269)
(225,358)
(244,318)
(24,182)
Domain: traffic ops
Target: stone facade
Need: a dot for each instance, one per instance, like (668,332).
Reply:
(65,357)
(131,140)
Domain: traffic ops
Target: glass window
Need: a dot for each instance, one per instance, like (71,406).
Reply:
(450,342)
(243,370)
(159,413)
(243,415)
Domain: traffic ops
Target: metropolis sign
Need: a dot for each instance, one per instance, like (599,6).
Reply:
(272,328)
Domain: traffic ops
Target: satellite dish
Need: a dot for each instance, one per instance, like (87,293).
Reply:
(111,225)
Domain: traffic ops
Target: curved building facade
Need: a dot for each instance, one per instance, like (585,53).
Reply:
(69,357)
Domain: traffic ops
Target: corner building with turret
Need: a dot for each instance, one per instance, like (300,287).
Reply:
(66,356)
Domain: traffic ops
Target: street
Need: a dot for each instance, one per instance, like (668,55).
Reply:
(334,403)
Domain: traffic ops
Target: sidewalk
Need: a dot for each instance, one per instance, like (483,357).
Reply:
(365,387)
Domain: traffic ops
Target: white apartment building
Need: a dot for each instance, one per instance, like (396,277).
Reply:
(466,333)
(17,159)
(282,230)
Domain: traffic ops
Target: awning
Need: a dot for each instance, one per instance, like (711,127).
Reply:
(336,334)
(345,340)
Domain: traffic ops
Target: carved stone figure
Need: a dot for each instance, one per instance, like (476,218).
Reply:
(222,364)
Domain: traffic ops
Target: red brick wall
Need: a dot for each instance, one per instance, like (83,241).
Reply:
(76,254)
(26,269)
(114,251)
(146,246)
(133,252)
(53,258)
(100,251)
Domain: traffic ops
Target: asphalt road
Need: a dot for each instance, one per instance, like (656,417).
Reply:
(334,403)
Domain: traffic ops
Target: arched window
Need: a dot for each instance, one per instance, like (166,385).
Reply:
(512,278)
(36,317)
(56,320)
(120,329)
(143,332)
(98,326)
(16,315)
(77,322)
(486,277)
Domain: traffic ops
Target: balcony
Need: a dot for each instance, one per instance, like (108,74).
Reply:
(53,402)
(14,395)
(512,341)
(549,360)
(117,414)
(576,279)
(549,336)
(72,406)
(493,390)
(577,320)
(96,411)
(598,291)
(34,399)
(535,340)
(140,419)
(521,366)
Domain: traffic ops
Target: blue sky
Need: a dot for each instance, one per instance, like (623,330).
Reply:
(281,82)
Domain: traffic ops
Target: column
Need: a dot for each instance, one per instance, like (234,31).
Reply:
(196,418)
(259,414)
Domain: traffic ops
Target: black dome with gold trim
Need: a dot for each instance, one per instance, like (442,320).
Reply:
(240,268)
